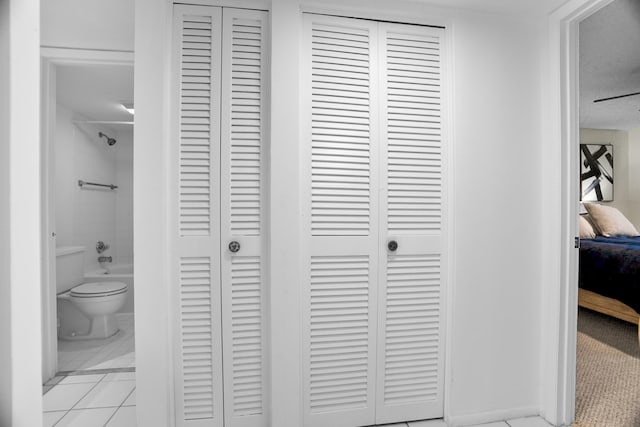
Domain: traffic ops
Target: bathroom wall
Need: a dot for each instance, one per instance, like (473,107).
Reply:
(86,215)
(123,242)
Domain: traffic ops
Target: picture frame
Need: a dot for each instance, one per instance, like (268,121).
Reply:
(596,172)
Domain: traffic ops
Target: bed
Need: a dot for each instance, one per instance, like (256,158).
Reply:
(609,280)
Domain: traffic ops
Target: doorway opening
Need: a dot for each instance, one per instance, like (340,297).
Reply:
(87,222)
(608,354)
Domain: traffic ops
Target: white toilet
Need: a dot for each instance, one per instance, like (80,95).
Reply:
(85,310)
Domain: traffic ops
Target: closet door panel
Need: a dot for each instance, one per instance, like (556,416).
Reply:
(340,202)
(410,336)
(194,215)
(243,206)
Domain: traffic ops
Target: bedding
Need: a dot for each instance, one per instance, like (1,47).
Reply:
(610,266)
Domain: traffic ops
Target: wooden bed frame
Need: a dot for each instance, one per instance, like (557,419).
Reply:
(608,306)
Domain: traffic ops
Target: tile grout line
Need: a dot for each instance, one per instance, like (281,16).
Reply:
(89,391)
(119,407)
(85,395)
(110,418)
(69,410)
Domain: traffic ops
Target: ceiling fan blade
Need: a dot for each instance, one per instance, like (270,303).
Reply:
(617,97)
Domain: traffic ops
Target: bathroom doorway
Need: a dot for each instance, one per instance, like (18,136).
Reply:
(87,166)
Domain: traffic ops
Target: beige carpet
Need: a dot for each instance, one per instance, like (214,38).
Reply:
(608,373)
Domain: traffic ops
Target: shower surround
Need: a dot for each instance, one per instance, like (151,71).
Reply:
(85,215)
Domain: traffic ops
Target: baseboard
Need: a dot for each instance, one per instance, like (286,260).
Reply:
(492,416)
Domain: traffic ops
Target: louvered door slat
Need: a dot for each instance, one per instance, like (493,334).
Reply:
(197,34)
(409,383)
(197,342)
(195,215)
(242,204)
(340,129)
(409,348)
(341,199)
(424,168)
(339,353)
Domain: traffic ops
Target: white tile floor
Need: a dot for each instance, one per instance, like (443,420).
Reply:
(91,400)
(117,351)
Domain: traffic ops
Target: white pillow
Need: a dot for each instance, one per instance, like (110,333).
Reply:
(610,221)
(586,230)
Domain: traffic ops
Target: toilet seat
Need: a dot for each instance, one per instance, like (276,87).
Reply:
(98,289)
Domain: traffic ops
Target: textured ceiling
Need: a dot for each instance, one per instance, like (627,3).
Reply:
(610,66)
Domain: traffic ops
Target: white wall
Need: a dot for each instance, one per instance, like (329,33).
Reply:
(20,331)
(6,379)
(497,133)
(493,357)
(284,193)
(153,349)
(634,177)
(621,179)
(88,24)
(123,241)
(64,170)
(89,214)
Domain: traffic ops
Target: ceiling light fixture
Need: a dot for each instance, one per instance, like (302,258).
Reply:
(128,107)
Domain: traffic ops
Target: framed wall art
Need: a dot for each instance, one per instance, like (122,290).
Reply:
(596,172)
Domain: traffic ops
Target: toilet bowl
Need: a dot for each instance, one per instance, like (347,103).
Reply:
(98,302)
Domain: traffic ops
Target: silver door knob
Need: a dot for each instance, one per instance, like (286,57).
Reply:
(234,246)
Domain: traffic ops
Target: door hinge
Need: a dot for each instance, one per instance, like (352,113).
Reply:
(576,243)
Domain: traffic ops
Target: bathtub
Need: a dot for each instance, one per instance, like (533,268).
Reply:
(115,273)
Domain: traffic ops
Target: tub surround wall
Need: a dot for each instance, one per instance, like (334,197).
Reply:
(86,215)
(123,242)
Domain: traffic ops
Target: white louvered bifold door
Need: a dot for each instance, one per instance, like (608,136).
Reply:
(339,293)
(244,68)
(410,316)
(218,181)
(195,248)
(373,158)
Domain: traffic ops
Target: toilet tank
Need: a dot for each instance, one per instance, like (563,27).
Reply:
(69,267)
